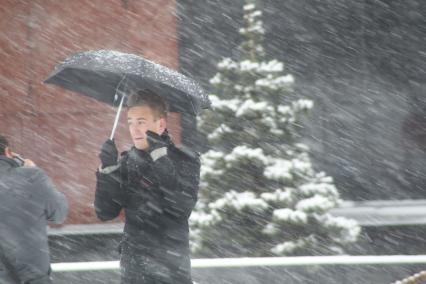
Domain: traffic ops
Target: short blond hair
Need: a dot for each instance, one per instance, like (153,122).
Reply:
(146,97)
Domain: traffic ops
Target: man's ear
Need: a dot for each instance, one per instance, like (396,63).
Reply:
(163,124)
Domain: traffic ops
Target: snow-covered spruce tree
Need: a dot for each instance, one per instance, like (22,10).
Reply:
(259,193)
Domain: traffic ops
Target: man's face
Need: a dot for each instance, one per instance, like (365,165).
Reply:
(140,120)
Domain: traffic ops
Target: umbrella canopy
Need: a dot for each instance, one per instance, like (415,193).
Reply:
(99,74)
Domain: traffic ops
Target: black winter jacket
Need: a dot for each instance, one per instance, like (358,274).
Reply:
(157,197)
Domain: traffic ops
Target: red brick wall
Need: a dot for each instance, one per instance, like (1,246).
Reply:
(62,131)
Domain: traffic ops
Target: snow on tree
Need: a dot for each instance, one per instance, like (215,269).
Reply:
(259,193)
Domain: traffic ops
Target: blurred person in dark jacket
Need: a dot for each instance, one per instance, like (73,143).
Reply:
(156,184)
(28,201)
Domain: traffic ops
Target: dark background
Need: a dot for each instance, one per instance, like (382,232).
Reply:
(361,62)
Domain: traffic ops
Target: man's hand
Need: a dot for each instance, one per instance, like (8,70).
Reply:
(108,154)
(29,163)
(21,161)
(157,145)
(155,141)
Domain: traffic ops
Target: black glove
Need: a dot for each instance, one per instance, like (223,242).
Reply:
(155,141)
(108,154)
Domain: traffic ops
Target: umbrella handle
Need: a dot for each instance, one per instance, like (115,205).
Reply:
(117,117)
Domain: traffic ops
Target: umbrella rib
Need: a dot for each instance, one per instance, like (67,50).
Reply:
(192,104)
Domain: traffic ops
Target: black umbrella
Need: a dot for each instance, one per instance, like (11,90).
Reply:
(108,75)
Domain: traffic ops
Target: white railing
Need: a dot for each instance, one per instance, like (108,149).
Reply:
(259,261)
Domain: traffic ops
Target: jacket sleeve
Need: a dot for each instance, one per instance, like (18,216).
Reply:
(56,205)
(178,188)
(108,195)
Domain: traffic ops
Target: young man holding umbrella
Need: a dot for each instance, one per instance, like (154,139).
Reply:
(156,185)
